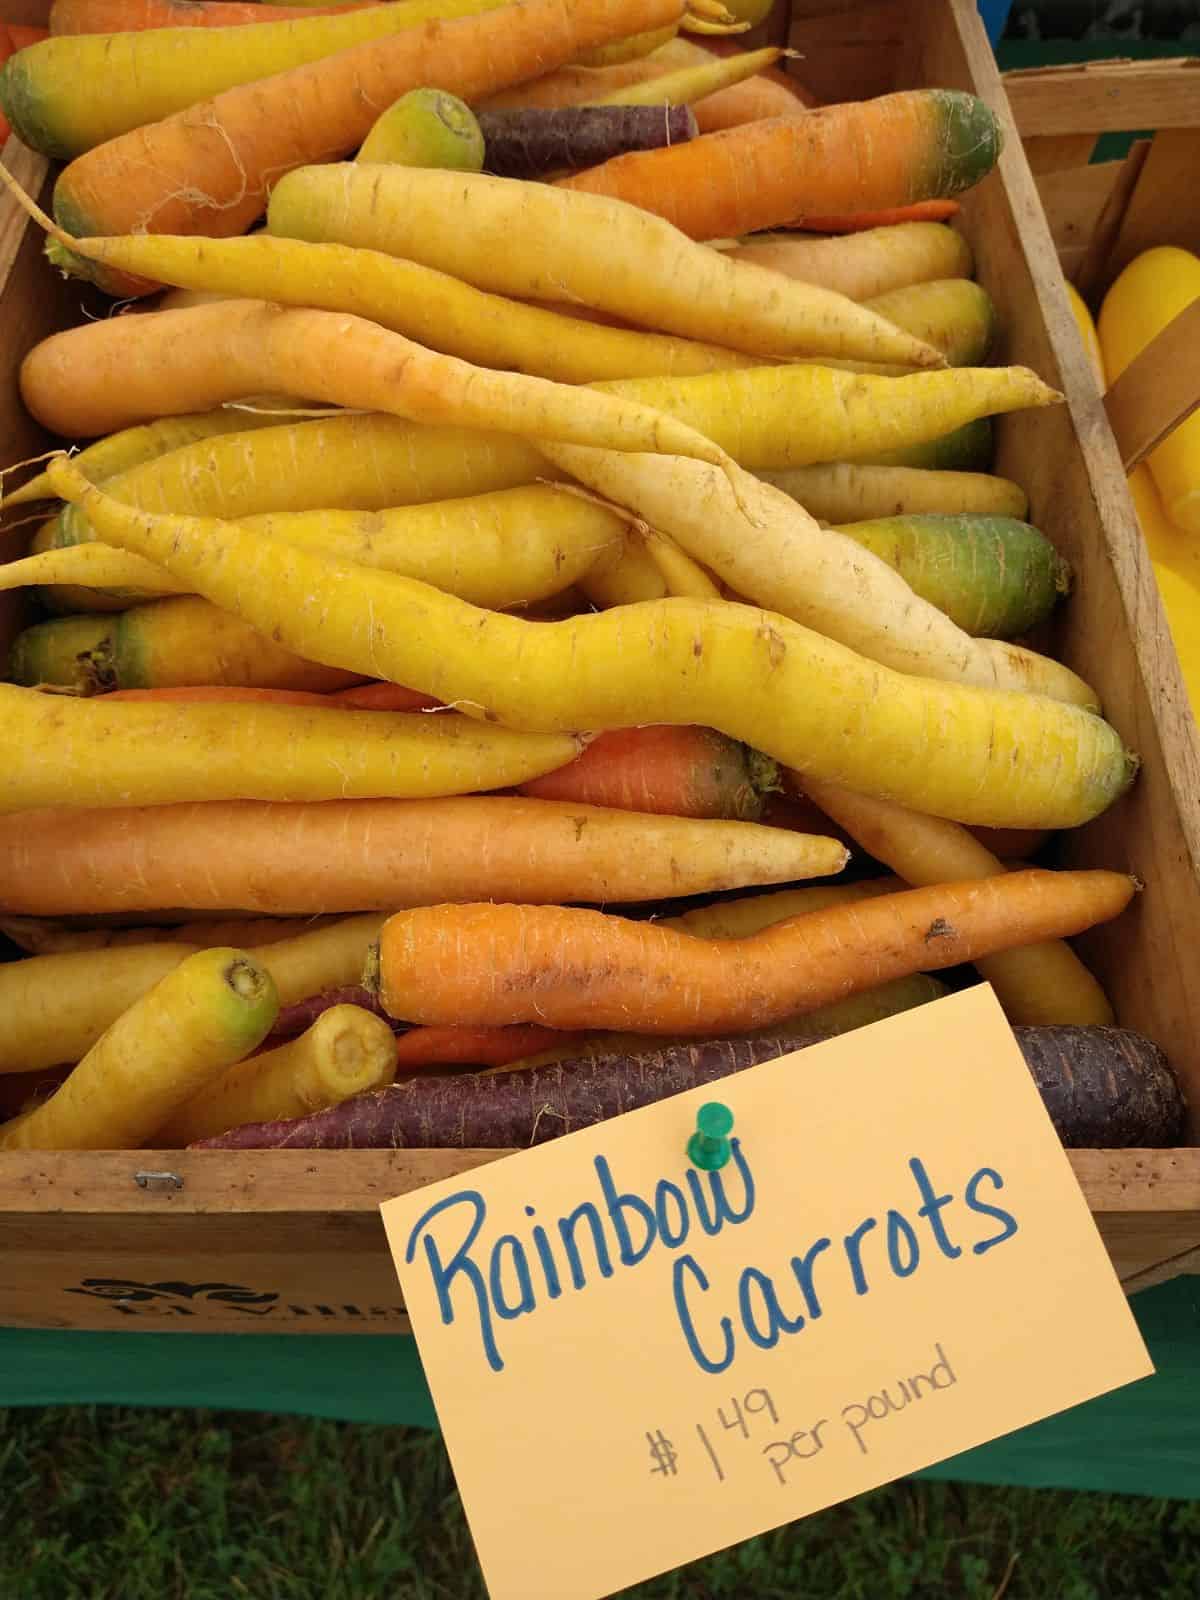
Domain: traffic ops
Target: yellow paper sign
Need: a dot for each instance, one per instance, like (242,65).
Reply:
(636,1362)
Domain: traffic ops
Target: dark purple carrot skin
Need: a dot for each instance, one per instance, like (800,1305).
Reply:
(527,144)
(298,1017)
(1105,1088)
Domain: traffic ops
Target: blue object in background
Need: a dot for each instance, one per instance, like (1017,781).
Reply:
(995,17)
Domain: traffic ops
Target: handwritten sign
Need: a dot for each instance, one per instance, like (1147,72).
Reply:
(636,1362)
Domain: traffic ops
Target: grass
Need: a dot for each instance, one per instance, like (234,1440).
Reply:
(119,1504)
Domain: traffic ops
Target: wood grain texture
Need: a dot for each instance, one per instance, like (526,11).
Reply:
(284,1240)
(1164,208)
(1105,97)
(1158,390)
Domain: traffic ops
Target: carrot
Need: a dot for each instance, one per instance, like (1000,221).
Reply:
(764,681)
(361,697)
(965,449)
(1039,983)
(130,16)
(739,919)
(347,855)
(56,1006)
(841,491)
(994,576)
(163,645)
(497,964)
(426,128)
(529,144)
(206,170)
(593,251)
(189,360)
(954,315)
(167,753)
(685,772)
(864,264)
(131,446)
(499,550)
(299,1016)
(366,463)
(914,145)
(483,1047)
(209,1012)
(74,92)
(347,1051)
(771,418)
(1104,1088)
(767,549)
(861,221)
(39,936)
(842,1016)
(470,1111)
(384,697)
(713,85)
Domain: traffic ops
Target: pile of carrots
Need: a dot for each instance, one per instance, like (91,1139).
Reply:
(462,571)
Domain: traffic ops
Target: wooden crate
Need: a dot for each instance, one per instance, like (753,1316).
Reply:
(287,1240)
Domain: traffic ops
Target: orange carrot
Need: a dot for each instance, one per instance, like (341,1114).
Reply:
(206,170)
(687,772)
(571,968)
(358,697)
(133,16)
(383,697)
(863,156)
(860,221)
(479,1047)
(756,99)
(365,855)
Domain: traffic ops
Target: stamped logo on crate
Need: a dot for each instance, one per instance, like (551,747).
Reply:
(174,1298)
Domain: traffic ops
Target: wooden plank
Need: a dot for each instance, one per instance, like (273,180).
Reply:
(1158,390)
(1105,97)
(1059,151)
(1094,266)
(1073,201)
(1113,631)
(850,53)
(1164,208)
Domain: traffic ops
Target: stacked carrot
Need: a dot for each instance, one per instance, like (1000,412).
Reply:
(463,552)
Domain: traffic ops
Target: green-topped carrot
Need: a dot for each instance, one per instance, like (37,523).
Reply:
(861,156)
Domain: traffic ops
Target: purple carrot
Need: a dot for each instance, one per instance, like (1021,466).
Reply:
(298,1017)
(1103,1088)
(528,144)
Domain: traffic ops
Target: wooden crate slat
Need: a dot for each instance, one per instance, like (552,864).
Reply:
(1105,97)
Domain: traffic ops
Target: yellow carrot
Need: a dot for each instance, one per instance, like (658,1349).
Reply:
(861,265)
(347,1051)
(1013,760)
(584,248)
(175,751)
(772,552)
(841,491)
(210,1011)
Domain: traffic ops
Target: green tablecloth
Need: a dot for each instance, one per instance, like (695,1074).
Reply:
(1144,1439)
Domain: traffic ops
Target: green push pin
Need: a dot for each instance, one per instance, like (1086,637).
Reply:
(708,1148)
